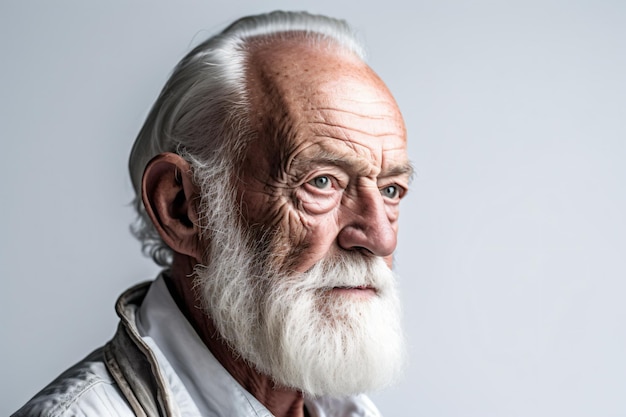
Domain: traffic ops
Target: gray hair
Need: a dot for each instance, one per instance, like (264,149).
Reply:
(202,111)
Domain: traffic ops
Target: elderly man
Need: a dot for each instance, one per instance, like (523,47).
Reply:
(270,172)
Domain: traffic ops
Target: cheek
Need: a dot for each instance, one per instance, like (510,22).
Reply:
(313,244)
(314,221)
(304,226)
(317,215)
(309,230)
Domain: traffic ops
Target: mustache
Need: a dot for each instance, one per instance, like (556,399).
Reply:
(347,270)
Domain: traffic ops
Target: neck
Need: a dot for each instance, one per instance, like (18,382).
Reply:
(281,402)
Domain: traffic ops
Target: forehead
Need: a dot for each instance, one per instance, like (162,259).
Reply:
(317,97)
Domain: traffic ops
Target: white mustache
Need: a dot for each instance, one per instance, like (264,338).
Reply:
(345,271)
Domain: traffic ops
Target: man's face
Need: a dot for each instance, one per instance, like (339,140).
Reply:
(330,165)
(297,275)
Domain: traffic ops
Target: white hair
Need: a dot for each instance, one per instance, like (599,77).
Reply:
(202,111)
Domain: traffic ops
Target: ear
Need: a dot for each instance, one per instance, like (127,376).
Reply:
(169,196)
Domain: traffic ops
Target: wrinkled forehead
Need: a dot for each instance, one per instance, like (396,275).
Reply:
(292,79)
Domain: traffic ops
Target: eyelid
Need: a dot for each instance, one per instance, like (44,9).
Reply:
(312,188)
(402,190)
(337,177)
(330,181)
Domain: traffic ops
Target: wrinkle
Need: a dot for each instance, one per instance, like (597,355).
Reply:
(337,119)
(352,112)
(352,129)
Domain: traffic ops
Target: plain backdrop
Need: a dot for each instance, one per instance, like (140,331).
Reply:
(512,252)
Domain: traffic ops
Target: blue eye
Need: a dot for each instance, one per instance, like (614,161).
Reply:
(322,182)
(390,191)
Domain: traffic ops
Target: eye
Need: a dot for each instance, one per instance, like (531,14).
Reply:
(322,182)
(390,191)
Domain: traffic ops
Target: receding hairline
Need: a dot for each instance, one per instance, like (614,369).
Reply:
(267,72)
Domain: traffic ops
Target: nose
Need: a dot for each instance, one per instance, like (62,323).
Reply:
(367,225)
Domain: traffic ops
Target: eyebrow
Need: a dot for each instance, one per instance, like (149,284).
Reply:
(401,169)
(324,157)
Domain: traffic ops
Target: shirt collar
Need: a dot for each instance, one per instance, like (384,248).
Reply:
(213,390)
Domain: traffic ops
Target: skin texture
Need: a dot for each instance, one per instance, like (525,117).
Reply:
(325,175)
(331,166)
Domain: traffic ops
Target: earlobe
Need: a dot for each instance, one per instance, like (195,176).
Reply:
(169,194)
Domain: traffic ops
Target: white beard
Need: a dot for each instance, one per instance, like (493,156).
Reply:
(290,326)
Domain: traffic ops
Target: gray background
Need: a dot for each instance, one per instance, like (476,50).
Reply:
(512,246)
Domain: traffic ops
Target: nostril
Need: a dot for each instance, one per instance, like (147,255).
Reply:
(363,250)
